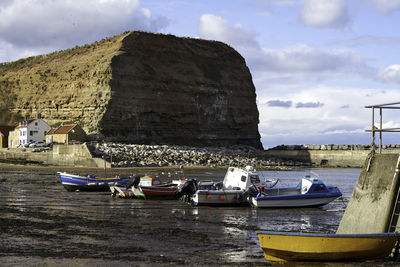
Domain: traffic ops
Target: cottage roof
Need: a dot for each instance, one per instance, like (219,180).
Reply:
(25,125)
(6,129)
(63,129)
(52,130)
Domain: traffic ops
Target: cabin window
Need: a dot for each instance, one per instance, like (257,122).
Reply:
(320,188)
(254,179)
(243,179)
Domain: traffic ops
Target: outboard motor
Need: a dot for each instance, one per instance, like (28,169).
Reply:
(133,182)
(187,190)
(252,191)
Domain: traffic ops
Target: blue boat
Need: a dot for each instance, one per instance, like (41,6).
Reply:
(310,192)
(72,182)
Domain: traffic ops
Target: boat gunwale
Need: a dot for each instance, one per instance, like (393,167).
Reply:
(389,234)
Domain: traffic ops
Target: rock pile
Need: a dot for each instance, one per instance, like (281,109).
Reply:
(132,155)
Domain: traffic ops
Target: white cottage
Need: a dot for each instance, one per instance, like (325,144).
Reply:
(27,131)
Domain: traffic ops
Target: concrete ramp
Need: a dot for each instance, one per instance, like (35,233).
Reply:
(372,202)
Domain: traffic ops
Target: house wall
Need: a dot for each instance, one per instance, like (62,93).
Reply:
(77,134)
(3,140)
(36,130)
(13,139)
(59,138)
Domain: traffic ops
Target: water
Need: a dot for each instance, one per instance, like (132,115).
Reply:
(41,223)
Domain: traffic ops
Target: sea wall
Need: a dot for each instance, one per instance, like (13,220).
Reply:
(327,155)
(61,155)
(370,207)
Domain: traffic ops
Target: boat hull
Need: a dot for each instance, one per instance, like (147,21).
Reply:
(146,192)
(330,247)
(73,182)
(219,198)
(290,203)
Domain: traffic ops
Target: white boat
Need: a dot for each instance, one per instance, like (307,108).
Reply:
(310,192)
(232,191)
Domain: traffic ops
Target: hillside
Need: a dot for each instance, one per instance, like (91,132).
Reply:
(138,87)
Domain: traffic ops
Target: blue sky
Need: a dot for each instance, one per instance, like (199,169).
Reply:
(315,63)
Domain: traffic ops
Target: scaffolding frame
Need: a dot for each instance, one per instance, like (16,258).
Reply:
(380,130)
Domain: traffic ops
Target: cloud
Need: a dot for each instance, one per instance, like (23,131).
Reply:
(386,6)
(279,103)
(58,24)
(298,59)
(390,74)
(331,123)
(216,28)
(303,58)
(325,13)
(309,105)
(369,40)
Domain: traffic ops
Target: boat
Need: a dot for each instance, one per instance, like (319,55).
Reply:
(72,182)
(147,187)
(310,192)
(281,246)
(232,191)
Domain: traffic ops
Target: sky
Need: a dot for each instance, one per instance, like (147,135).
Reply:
(315,64)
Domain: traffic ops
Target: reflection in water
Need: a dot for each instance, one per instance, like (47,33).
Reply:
(305,223)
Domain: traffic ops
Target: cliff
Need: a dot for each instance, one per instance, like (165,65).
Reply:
(140,88)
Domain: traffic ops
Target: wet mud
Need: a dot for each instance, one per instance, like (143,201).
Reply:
(43,224)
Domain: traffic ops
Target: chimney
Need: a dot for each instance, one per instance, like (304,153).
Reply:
(39,116)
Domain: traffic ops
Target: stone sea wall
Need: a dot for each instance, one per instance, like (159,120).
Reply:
(124,155)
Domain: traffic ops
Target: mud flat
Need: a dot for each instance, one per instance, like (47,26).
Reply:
(43,224)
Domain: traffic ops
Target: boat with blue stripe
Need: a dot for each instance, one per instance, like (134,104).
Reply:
(310,192)
(73,182)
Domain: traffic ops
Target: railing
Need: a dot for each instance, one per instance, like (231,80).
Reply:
(380,130)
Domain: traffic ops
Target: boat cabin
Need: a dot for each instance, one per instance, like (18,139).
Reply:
(240,179)
(149,181)
(312,185)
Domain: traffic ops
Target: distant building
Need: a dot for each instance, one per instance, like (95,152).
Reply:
(30,130)
(66,134)
(4,133)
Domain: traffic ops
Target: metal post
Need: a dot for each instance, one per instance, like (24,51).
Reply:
(380,131)
(105,162)
(373,130)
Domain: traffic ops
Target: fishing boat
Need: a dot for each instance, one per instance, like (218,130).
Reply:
(72,182)
(280,246)
(232,191)
(147,187)
(310,192)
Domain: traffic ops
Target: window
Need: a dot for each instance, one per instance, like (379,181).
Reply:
(243,179)
(35,123)
(30,133)
(254,179)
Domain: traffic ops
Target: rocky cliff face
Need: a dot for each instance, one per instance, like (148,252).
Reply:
(140,88)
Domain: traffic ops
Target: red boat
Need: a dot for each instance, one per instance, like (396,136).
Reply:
(147,187)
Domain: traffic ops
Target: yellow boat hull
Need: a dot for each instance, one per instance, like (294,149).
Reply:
(330,247)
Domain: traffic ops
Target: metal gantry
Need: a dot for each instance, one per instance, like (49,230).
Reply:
(380,130)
